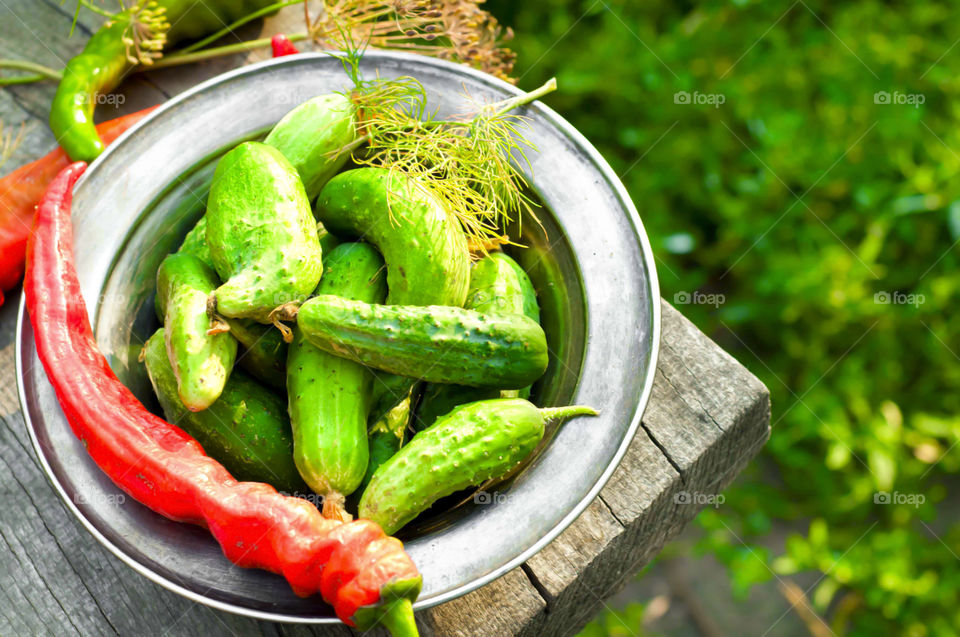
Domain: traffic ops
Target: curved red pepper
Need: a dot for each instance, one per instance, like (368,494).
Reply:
(161,466)
(282,45)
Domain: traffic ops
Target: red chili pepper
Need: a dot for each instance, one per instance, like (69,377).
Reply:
(282,45)
(354,565)
(22,189)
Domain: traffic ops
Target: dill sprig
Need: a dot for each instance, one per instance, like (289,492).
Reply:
(455,30)
(147,33)
(146,29)
(473,164)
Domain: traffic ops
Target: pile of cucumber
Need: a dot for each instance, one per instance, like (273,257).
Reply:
(349,348)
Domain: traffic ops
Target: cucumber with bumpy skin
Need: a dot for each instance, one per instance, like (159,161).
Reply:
(329,397)
(310,136)
(470,445)
(498,285)
(425,248)
(201,361)
(246,430)
(438,344)
(264,352)
(261,234)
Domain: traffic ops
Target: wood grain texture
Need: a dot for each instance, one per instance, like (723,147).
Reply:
(706,418)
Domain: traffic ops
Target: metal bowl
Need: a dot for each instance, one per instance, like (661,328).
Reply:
(591,262)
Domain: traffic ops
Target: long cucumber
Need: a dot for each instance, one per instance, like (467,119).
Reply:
(437,344)
(329,397)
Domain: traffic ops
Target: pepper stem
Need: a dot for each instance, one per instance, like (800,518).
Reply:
(38,71)
(551,413)
(398,618)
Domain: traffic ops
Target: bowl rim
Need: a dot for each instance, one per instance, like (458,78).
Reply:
(562,126)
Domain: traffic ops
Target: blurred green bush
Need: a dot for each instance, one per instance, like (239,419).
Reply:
(822,200)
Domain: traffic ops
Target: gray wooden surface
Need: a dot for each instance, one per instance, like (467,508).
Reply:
(707,417)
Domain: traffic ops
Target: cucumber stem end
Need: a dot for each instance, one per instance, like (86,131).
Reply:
(552,413)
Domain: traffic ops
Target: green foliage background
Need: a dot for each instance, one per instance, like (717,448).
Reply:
(800,199)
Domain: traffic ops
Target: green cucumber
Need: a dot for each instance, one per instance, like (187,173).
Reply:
(389,390)
(246,430)
(498,285)
(329,397)
(262,237)
(437,344)
(387,433)
(424,247)
(328,240)
(195,243)
(263,351)
(201,361)
(310,136)
(470,445)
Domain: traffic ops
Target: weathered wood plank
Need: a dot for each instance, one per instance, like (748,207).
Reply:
(679,459)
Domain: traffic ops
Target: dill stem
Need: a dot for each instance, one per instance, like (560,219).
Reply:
(176,59)
(509,104)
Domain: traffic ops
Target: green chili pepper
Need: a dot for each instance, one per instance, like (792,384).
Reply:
(104,61)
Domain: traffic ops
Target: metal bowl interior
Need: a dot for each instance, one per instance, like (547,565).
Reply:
(590,261)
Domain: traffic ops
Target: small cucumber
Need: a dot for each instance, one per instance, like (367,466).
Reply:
(386,437)
(437,344)
(425,248)
(310,136)
(329,397)
(246,430)
(470,445)
(389,390)
(201,362)
(195,243)
(263,351)
(393,400)
(498,285)
(262,237)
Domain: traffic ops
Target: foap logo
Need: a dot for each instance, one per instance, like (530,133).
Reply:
(698,298)
(699,99)
(311,497)
(487,497)
(899,298)
(97,499)
(910,499)
(899,99)
(699,499)
(111,99)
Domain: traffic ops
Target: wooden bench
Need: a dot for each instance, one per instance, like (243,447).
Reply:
(707,417)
